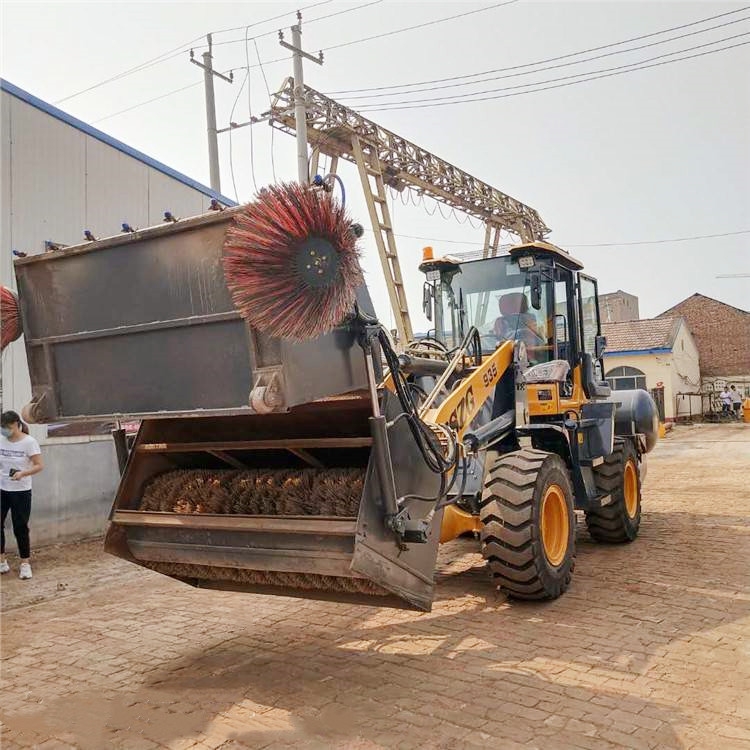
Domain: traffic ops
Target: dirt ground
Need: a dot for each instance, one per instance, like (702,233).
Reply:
(648,649)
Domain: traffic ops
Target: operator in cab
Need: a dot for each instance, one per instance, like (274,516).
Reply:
(515,322)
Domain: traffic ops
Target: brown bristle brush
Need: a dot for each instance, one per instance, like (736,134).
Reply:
(10,317)
(291,262)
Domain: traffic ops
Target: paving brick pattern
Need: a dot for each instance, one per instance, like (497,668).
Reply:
(648,649)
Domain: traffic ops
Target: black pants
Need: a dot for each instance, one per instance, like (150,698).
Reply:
(19,506)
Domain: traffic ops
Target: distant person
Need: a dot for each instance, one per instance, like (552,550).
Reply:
(20,459)
(726,401)
(736,400)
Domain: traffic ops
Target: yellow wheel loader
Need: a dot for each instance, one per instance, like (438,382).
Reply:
(332,468)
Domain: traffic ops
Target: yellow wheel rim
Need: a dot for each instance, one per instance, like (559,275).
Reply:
(555,524)
(630,489)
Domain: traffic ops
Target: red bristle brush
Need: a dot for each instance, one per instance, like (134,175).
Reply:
(10,317)
(291,262)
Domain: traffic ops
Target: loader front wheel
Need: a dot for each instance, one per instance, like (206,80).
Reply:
(528,524)
(619,477)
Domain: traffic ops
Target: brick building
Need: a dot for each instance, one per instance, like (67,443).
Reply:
(722,335)
(618,307)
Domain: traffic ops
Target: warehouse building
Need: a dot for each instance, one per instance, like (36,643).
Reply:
(60,176)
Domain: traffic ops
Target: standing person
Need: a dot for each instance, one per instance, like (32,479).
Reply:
(726,401)
(20,459)
(736,401)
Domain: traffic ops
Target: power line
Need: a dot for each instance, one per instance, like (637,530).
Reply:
(600,244)
(135,69)
(547,60)
(267,20)
(419,25)
(268,91)
(149,101)
(320,18)
(260,63)
(661,242)
(387,106)
(308,21)
(467,100)
(177,51)
(553,67)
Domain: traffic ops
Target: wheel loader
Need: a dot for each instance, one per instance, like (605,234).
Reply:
(331,468)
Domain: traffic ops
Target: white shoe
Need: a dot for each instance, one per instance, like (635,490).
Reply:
(4,567)
(24,572)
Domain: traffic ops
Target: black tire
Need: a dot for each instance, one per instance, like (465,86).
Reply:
(619,520)
(516,488)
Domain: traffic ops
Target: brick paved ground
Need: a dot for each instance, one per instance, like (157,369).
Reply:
(646,649)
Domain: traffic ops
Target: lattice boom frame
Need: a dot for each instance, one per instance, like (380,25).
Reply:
(330,127)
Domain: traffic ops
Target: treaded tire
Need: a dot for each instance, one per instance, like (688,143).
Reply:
(515,488)
(613,523)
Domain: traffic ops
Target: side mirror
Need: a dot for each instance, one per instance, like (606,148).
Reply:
(535,283)
(428,294)
(600,344)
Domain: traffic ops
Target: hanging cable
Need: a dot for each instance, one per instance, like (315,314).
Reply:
(250,113)
(231,117)
(268,91)
(422,86)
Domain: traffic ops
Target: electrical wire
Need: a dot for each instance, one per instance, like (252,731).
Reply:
(177,51)
(268,91)
(439,102)
(561,65)
(135,69)
(378,36)
(549,59)
(308,21)
(272,18)
(260,63)
(149,101)
(246,80)
(661,242)
(434,22)
(572,245)
(250,114)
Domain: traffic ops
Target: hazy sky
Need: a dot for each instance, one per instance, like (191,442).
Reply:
(654,154)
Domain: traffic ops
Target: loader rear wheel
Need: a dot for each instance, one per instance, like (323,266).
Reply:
(619,476)
(528,524)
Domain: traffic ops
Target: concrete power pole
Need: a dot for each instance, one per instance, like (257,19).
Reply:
(213,141)
(300,113)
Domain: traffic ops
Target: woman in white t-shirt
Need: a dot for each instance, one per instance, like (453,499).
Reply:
(20,459)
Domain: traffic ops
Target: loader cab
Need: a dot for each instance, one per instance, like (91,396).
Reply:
(536,295)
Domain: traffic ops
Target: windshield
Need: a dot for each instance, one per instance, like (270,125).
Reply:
(494,296)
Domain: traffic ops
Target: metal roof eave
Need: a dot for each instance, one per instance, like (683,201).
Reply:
(634,352)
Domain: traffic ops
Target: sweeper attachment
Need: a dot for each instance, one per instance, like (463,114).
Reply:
(266,459)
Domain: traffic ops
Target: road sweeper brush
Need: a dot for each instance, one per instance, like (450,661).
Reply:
(10,320)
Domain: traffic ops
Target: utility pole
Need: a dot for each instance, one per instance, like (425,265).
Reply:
(208,81)
(300,113)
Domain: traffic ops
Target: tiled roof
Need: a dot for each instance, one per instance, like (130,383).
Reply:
(641,335)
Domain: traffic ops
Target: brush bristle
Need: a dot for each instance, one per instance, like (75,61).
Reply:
(10,317)
(291,262)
